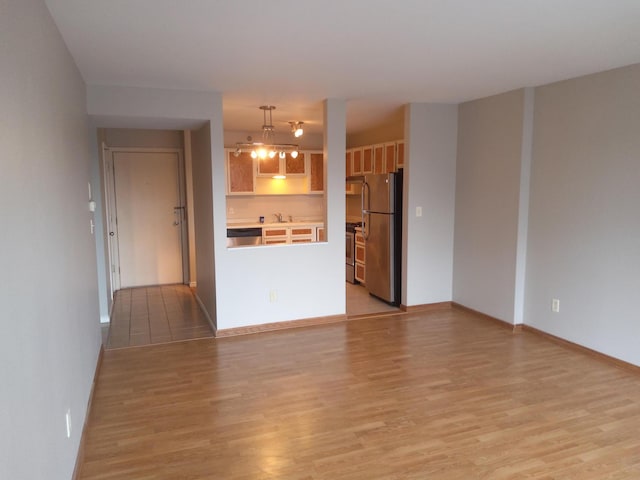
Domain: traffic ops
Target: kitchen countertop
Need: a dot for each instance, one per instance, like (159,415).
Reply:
(273,224)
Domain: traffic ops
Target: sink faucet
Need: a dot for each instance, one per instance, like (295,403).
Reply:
(278,217)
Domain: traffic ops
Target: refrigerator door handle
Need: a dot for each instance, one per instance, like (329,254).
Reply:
(365,212)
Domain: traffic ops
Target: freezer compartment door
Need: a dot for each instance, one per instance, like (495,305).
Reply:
(379,270)
(379,193)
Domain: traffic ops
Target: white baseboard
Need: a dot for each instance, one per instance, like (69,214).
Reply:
(193,284)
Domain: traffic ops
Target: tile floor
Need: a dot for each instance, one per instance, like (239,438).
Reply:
(169,313)
(152,315)
(359,302)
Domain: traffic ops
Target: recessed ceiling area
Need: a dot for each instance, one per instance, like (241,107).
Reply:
(375,54)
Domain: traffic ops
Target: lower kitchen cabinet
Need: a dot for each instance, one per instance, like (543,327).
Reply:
(320,234)
(289,235)
(275,235)
(303,234)
(360,256)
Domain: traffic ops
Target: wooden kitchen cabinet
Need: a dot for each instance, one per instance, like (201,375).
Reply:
(367,159)
(275,235)
(390,157)
(347,161)
(356,161)
(320,236)
(268,166)
(240,173)
(295,166)
(288,166)
(378,159)
(360,256)
(316,172)
(399,154)
(303,234)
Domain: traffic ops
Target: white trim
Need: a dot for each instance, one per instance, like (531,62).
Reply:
(193,284)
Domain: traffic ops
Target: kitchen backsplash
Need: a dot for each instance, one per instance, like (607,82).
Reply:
(251,208)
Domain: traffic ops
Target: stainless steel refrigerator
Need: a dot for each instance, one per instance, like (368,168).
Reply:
(382,215)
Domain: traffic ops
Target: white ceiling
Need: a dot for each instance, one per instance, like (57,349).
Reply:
(377,54)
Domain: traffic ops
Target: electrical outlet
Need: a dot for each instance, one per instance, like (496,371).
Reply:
(273,296)
(232,210)
(555,305)
(67,418)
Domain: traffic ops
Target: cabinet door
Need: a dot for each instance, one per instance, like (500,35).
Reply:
(275,235)
(390,157)
(347,161)
(360,272)
(268,166)
(295,166)
(240,173)
(316,169)
(400,154)
(356,161)
(367,159)
(303,234)
(378,159)
(320,234)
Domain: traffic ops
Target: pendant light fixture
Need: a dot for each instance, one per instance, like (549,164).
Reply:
(268,148)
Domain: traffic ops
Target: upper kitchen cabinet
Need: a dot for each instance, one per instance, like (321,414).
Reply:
(347,161)
(378,159)
(288,166)
(240,173)
(390,157)
(400,154)
(367,159)
(316,172)
(356,161)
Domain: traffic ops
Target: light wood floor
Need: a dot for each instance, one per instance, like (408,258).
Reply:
(438,395)
(157,314)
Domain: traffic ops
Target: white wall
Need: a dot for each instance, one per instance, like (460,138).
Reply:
(430,170)
(203,219)
(49,327)
(487,203)
(584,224)
(309,279)
(244,277)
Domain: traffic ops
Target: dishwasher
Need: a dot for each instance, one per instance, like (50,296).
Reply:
(244,237)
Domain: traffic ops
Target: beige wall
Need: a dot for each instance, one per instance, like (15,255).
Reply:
(49,320)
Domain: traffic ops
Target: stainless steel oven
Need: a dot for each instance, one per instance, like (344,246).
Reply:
(350,251)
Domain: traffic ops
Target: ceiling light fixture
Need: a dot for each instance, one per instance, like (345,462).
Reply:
(268,148)
(296,128)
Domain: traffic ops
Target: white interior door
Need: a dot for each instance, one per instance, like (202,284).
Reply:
(149,218)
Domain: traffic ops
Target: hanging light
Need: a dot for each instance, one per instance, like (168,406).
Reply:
(296,128)
(268,148)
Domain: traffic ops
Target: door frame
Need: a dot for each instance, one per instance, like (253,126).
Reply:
(111,207)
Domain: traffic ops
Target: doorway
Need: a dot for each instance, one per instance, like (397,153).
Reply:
(147,227)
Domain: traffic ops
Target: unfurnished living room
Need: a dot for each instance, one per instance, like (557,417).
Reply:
(178,179)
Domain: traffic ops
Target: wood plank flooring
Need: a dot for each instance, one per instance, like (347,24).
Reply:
(438,395)
(156,314)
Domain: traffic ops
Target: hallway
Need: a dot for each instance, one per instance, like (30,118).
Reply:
(153,315)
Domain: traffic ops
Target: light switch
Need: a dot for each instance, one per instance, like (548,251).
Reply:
(418,211)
